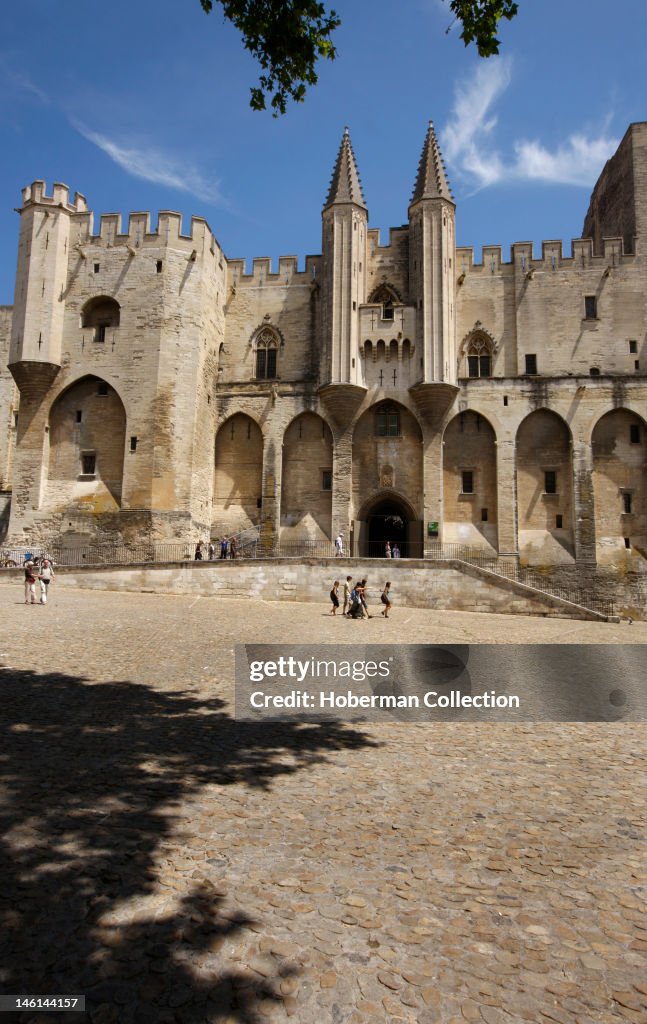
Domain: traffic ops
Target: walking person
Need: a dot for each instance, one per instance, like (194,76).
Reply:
(396,551)
(30,583)
(212,550)
(339,545)
(362,597)
(347,590)
(386,599)
(387,550)
(233,547)
(198,552)
(334,598)
(224,547)
(45,576)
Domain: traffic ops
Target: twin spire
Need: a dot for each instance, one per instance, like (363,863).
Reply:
(431,183)
(345,186)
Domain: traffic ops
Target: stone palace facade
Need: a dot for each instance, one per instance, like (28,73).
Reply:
(400,390)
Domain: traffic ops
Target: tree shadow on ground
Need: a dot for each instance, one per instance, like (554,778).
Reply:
(92,776)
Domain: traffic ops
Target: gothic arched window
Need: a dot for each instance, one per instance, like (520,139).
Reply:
(267,346)
(388,297)
(479,357)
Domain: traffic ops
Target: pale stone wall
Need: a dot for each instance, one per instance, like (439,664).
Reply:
(416,585)
(9,401)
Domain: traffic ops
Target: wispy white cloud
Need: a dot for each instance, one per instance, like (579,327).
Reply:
(468,137)
(151,164)
(21,80)
(469,140)
(577,161)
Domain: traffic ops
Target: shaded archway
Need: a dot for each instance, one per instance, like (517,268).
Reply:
(545,489)
(389,517)
(306,480)
(470,481)
(618,442)
(238,475)
(87,434)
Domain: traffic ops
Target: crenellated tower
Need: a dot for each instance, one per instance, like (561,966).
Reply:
(431,265)
(345,218)
(39,303)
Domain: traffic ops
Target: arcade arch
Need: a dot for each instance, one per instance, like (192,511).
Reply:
(545,488)
(306,479)
(238,475)
(387,488)
(87,434)
(618,444)
(469,481)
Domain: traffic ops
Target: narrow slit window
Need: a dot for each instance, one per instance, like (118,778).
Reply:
(634,433)
(590,307)
(559,522)
(133,444)
(627,503)
(79,415)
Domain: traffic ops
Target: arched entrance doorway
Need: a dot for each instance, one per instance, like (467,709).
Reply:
(388,517)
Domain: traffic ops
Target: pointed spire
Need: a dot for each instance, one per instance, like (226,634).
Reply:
(345,186)
(431,182)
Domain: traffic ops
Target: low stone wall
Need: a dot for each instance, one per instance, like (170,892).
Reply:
(415,583)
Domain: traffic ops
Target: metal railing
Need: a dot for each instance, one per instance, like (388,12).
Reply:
(508,566)
(250,546)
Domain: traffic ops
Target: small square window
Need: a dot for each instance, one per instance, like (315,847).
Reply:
(627,502)
(326,480)
(634,433)
(88,463)
(627,542)
(633,347)
(102,389)
(467,484)
(97,268)
(590,307)
(550,482)
(559,522)
(158,266)
(637,364)
(531,364)
(594,371)
(79,415)
(484,515)
(133,444)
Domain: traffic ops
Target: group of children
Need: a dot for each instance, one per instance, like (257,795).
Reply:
(355,606)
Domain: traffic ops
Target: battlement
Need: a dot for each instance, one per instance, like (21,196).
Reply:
(288,271)
(36,193)
(524,259)
(139,233)
(396,237)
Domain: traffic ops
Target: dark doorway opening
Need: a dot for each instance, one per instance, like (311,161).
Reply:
(387,522)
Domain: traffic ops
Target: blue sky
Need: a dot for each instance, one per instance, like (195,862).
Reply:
(143,105)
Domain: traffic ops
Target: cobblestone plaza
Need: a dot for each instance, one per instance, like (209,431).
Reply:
(174,865)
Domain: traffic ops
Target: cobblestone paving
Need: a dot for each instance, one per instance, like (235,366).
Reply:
(176,866)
